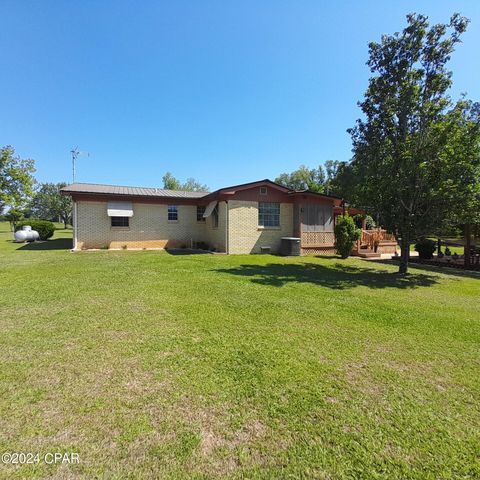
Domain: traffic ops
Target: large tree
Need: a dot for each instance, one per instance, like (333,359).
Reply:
(304,178)
(462,199)
(191,185)
(49,204)
(332,168)
(16,178)
(401,146)
(319,179)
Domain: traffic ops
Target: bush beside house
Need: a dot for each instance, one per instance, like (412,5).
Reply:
(44,228)
(425,248)
(346,234)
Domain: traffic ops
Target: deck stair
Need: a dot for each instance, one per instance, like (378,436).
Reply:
(368,253)
(375,239)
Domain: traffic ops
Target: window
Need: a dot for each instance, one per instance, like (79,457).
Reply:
(120,221)
(200,212)
(172,212)
(215,217)
(268,214)
(263,190)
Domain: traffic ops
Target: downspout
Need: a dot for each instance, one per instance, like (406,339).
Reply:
(226,229)
(75,225)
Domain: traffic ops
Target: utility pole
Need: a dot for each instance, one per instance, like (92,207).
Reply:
(75,154)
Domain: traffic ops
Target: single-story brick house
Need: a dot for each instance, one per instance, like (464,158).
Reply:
(247,218)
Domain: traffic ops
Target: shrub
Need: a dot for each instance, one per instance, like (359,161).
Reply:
(369,221)
(44,228)
(425,248)
(346,234)
(202,246)
(448,252)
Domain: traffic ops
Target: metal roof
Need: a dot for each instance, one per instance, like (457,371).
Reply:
(132,191)
(99,189)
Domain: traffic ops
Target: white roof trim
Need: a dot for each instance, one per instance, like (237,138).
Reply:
(210,208)
(120,209)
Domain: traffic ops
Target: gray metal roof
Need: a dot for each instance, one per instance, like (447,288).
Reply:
(135,191)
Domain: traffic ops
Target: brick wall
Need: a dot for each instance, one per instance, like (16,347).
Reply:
(217,237)
(149,227)
(244,234)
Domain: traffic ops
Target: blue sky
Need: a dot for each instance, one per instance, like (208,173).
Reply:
(226,92)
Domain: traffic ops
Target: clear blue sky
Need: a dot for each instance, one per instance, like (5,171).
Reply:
(225,92)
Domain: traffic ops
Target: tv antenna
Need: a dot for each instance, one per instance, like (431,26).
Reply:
(75,154)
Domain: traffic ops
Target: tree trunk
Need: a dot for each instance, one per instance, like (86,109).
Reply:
(65,225)
(404,254)
(467,246)
(439,246)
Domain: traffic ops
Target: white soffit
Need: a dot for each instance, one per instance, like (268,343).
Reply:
(120,209)
(210,208)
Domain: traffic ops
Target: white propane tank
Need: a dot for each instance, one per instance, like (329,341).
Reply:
(26,234)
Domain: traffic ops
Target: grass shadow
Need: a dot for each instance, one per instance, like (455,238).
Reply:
(187,251)
(336,276)
(56,244)
(458,272)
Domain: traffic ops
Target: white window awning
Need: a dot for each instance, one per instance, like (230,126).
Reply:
(210,208)
(120,209)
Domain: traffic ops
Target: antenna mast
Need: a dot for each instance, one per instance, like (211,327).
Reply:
(75,154)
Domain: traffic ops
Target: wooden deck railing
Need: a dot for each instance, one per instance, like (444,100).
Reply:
(312,240)
(370,237)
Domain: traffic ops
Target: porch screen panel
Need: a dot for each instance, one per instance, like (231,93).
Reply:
(316,218)
(311,219)
(328,217)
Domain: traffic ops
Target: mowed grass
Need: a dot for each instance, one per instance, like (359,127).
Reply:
(459,250)
(152,365)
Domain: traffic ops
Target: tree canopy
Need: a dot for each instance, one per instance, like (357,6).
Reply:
(48,203)
(16,178)
(318,179)
(191,185)
(405,165)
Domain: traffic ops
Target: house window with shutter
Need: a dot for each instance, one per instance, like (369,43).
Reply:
(120,221)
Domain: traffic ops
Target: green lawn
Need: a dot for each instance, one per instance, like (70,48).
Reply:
(459,250)
(153,365)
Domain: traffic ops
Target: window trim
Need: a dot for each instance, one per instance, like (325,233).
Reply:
(263,191)
(263,215)
(172,209)
(200,211)
(125,220)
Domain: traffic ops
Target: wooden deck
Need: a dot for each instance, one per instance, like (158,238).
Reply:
(323,243)
(383,240)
